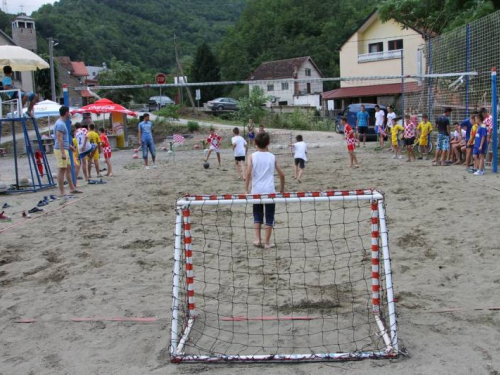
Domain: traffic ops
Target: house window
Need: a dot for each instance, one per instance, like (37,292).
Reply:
(395,44)
(284,86)
(308,88)
(376,47)
(17,76)
(270,87)
(308,72)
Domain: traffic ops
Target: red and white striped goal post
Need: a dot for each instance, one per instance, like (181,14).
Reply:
(379,236)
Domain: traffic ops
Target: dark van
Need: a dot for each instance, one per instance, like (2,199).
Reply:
(351,112)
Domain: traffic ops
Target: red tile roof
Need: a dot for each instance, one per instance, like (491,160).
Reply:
(79,69)
(375,90)
(281,69)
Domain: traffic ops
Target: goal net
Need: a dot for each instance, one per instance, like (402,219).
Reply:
(323,293)
(281,147)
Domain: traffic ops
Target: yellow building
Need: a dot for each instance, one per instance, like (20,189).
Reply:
(377,49)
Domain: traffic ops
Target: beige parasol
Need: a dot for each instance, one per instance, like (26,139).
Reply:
(21,59)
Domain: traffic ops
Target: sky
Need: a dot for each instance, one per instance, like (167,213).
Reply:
(14,6)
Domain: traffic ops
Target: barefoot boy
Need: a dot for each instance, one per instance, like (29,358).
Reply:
(424,130)
(260,172)
(214,142)
(300,157)
(409,137)
(350,139)
(106,150)
(240,149)
(396,131)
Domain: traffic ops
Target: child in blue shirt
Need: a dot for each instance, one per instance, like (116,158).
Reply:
(8,84)
(480,146)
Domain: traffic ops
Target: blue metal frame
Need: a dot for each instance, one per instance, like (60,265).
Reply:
(36,179)
(494,114)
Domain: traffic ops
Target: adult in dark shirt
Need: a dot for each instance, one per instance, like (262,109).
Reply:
(443,140)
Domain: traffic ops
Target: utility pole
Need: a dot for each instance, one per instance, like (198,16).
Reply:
(181,72)
(52,74)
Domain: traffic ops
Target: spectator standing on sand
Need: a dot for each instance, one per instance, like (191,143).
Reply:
(380,125)
(61,147)
(424,130)
(251,132)
(409,137)
(145,136)
(443,140)
(391,121)
(362,119)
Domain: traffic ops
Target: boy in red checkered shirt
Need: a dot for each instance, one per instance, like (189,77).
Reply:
(214,142)
(106,150)
(350,139)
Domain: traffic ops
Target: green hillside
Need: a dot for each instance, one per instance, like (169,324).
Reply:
(139,32)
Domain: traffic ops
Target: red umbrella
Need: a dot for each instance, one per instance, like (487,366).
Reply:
(104,106)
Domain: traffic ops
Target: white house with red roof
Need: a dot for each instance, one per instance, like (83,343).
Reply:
(280,81)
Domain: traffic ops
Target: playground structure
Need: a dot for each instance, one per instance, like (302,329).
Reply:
(37,168)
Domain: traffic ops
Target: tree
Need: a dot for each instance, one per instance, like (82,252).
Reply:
(42,80)
(123,73)
(205,68)
(435,16)
(253,106)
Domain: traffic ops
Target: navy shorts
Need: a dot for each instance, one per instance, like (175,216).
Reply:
(239,158)
(300,162)
(258,213)
(362,129)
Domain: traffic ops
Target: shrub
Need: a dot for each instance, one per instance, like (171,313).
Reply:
(193,126)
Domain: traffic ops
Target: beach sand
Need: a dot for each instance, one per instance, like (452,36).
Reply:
(109,253)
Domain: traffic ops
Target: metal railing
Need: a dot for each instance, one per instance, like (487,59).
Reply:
(15,103)
(379,56)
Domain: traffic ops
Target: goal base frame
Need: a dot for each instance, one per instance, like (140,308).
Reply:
(379,230)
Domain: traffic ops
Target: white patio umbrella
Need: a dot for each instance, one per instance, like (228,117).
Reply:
(48,109)
(21,59)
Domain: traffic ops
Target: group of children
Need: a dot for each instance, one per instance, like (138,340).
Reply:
(240,150)
(89,145)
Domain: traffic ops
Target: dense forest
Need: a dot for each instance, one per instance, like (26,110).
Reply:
(138,32)
(138,35)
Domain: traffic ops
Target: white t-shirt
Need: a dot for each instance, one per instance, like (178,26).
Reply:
(240,143)
(263,165)
(80,136)
(391,117)
(379,118)
(300,150)
(455,134)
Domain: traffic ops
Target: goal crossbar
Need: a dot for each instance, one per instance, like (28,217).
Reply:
(387,330)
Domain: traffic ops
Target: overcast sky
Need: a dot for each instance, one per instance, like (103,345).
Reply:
(14,6)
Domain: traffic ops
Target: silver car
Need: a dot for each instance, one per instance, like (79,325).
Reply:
(158,102)
(223,104)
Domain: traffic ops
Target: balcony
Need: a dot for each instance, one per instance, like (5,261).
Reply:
(380,56)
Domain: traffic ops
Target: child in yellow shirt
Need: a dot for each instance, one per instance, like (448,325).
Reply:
(396,131)
(424,130)
(94,138)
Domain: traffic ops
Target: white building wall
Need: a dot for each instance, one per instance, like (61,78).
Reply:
(316,87)
(313,100)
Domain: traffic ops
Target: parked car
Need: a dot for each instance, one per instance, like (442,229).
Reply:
(351,112)
(223,104)
(156,103)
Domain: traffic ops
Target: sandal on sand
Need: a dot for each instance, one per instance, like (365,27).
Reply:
(76,192)
(269,246)
(257,244)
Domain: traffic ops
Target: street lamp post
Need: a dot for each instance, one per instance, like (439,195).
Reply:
(52,74)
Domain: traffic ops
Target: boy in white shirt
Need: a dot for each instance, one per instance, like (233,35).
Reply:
(300,157)
(380,125)
(240,149)
(260,172)
(391,121)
